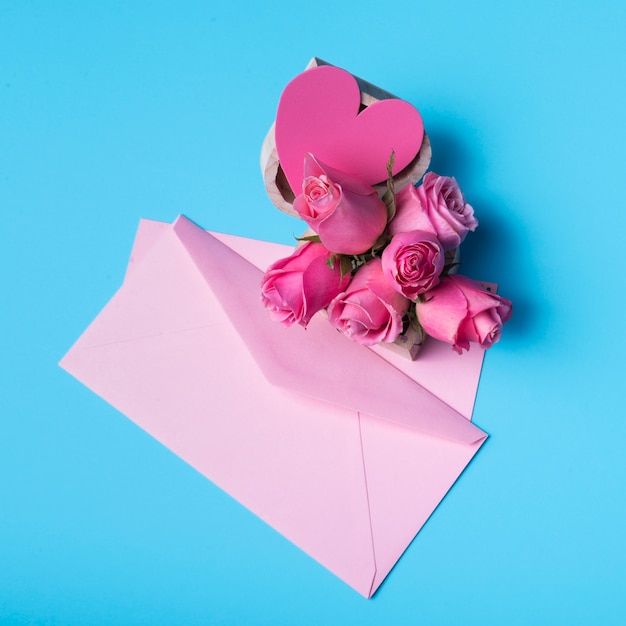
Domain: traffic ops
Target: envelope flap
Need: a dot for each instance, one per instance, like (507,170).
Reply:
(148,234)
(318,361)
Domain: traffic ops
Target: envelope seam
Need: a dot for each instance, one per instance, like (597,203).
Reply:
(369,509)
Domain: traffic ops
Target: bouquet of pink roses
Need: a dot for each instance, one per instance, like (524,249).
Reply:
(379,266)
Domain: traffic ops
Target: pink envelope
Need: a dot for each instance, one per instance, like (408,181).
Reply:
(344,450)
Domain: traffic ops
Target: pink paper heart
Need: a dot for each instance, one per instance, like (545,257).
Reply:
(319,112)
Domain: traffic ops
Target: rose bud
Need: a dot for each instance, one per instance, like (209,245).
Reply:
(295,288)
(459,311)
(370,310)
(347,214)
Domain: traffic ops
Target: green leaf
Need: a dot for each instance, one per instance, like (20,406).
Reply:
(380,243)
(345,265)
(414,322)
(449,267)
(313,238)
(389,197)
(390,163)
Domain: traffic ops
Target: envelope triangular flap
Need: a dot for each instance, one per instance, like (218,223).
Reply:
(318,361)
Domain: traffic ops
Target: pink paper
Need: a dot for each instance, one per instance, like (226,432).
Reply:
(319,113)
(348,472)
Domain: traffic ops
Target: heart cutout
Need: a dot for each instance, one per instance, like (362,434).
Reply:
(318,112)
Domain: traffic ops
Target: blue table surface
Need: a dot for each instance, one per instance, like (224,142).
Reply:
(110,112)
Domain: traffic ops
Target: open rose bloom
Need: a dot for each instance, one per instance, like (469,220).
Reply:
(436,206)
(412,262)
(380,267)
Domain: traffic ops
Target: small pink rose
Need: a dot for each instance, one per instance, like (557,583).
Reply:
(295,288)
(370,310)
(347,215)
(412,262)
(459,311)
(436,206)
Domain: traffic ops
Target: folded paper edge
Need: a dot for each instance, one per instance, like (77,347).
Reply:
(285,369)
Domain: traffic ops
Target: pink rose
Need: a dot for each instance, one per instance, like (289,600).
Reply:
(412,262)
(459,310)
(348,217)
(436,206)
(295,288)
(370,310)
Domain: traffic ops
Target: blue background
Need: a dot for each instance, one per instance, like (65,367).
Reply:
(113,111)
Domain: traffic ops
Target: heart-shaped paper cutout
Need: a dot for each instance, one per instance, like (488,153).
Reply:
(319,113)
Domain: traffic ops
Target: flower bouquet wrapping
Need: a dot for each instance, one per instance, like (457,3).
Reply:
(380,262)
